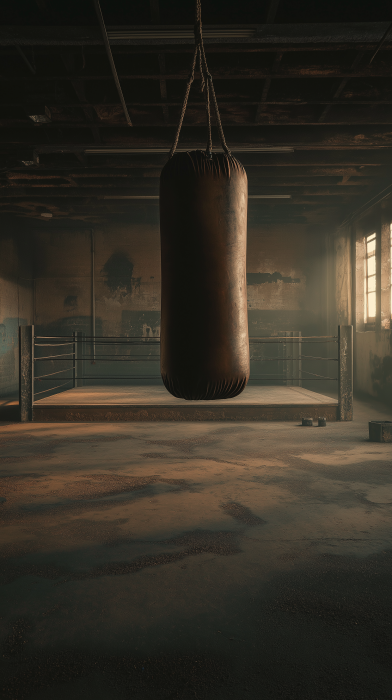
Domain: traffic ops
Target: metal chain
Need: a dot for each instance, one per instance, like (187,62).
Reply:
(207,87)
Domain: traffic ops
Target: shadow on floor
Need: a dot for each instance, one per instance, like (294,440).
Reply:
(9,410)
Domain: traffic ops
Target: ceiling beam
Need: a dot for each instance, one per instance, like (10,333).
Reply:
(109,167)
(266,119)
(369,33)
(89,191)
(92,51)
(221,74)
(66,159)
(225,102)
(150,177)
(241,138)
(253,171)
(277,182)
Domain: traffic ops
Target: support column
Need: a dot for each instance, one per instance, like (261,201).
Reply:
(26,373)
(345,345)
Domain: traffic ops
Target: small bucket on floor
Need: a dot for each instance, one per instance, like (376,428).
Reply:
(380,431)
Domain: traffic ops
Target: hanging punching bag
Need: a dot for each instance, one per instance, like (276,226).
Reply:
(204,325)
(203,210)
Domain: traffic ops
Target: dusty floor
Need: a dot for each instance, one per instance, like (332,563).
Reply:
(196,560)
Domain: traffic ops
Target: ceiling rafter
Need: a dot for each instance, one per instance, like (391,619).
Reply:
(348,33)
(277,89)
(299,72)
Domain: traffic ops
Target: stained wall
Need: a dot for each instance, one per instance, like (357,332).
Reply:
(286,277)
(47,279)
(16,301)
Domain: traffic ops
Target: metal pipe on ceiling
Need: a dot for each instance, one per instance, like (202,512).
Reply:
(111,61)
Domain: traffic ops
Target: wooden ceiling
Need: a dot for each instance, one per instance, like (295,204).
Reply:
(312,77)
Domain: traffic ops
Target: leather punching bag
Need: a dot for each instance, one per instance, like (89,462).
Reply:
(204,325)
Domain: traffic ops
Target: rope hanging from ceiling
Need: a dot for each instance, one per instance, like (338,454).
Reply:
(207,87)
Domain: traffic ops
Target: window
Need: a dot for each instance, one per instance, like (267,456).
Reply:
(390,259)
(370,278)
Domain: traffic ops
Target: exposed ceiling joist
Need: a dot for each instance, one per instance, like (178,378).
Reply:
(290,72)
(369,33)
(304,106)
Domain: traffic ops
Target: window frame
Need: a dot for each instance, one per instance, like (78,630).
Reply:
(390,269)
(370,238)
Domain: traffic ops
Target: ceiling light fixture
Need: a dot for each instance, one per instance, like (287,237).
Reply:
(173,33)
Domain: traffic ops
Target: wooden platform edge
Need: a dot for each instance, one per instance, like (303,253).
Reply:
(142,413)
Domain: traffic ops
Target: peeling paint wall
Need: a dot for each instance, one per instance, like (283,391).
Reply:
(16,304)
(286,278)
(286,282)
(127,280)
(286,285)
(126,263)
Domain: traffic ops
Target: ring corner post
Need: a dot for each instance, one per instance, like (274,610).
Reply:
(26,373)
(345,376)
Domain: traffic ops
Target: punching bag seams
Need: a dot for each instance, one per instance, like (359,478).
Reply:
(196,163)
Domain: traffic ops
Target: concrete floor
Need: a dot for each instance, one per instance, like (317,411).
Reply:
(196,560)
